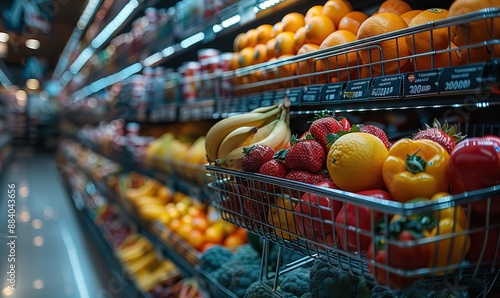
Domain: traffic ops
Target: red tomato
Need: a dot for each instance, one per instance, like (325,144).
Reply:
(475,164)
(315,214)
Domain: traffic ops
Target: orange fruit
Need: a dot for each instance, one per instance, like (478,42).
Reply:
(240,42)
(246,57)
(185,231)
(251,38)
(318,28)
(395,6)
(408,67)
(292,21)
(477,31)
(391,49)
(287,70)
(206,246)
(439,60)
(214,234)
(264,33)
(277,29)
(364,73)
(351,21)
(285,42)
(271,48)
(316,10)
(355,161)
(421,42)
(340,37)
(479,54)
(260,53)
(409,15)
(300,38)
(174,224)
(335,10)
(196,239)
(308,66)
(234,240)
(200,223)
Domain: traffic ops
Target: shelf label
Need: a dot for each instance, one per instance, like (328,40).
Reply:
(184,113)
(207,112)
(294,95)
(278,96)
(461,78)
(168,113)
(254,101)
(331,92)
(267,99)
(386,86)
(196,113)
(357,89)
(311,94)
(421,83)
(242,104)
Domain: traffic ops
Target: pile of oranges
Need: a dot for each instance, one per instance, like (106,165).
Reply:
(336,23)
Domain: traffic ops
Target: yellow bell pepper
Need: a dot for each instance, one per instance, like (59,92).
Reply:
(281,217)
(456,213)
(416,168)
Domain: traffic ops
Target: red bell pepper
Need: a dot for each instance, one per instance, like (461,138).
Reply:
(475,164)
(356,217)
(314,215)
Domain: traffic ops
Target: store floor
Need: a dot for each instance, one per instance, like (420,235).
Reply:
(54,256)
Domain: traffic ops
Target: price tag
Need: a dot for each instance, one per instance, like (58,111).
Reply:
(267,99)
(387,86)
(242,104)
(311,94)
(357,89)
(421,83)
(461,78)
(331,92)
(208,112)
(294,95)
(278,96)
(184,113)
(254,101)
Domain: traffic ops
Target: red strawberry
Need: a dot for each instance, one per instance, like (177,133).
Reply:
(275,168)
(255,157)
(308,177)
(378,132)
(322,126)
(307,155)
(447,136)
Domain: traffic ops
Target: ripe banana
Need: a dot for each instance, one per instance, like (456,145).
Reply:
(263,132)
(264,109)
(215,136)
(133,251)
(241,136)
(276,139)
(149,188)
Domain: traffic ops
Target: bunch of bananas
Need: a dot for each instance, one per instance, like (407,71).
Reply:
(143,263)
(266,126)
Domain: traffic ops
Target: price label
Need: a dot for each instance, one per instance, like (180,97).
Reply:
(311,94)
(387,86)
(294,95)
(242,104)
(267,99)
(421,83)
(208,112)
(254,101)
(184,113)
(357,89)
(278,96)
(461,78)
(331,92)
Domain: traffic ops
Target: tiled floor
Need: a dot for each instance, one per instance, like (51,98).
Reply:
(54,256)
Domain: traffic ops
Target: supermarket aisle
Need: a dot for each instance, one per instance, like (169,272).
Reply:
(54,257)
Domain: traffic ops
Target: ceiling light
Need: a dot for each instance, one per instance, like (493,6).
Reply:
(4,37)
(32,84)
(21,95)
(33,44)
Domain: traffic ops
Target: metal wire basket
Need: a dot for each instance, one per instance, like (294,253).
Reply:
(294,215)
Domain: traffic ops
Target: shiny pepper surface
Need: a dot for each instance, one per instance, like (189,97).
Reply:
(416,168)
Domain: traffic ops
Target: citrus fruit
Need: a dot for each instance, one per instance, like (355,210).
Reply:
(335,10)
(240,42)
(292,21)
(260,53)
(378,24)
(439,60)
(355,161)
(251,38)
(409,15)
(316,10)
(246,57)
(421,42)
(351,21)
(196,239)
(349,59)
(277,29)
(300,38)
(271,48)
(286,70)
(395,6)
(318,28)
(308,66)
(264,33)
(214,234)
(285,42)
(477,31)
(479,54)
(234,240)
